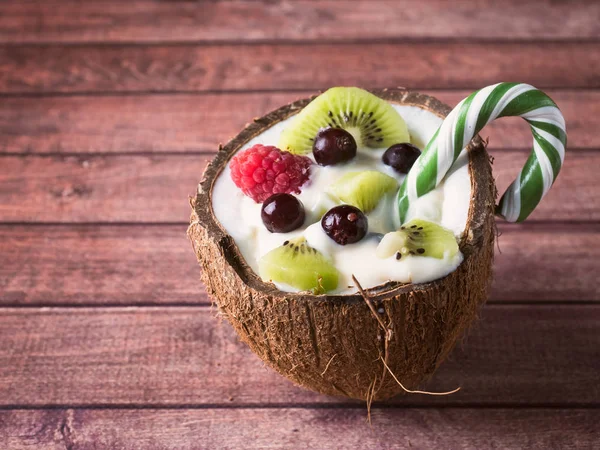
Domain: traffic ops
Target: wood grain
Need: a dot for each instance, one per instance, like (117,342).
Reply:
(129,265)
(181,123)
(547,355)
(233,429)
(88,188)
(147,21)
(110,112)
(98,265)
(155,188)
(282,66)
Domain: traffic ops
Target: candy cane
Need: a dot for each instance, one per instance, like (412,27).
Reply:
(467,119)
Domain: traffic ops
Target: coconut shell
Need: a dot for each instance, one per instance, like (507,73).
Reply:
(334,344)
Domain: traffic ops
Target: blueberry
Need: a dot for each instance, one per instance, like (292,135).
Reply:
(333,146)
(281,213)
(401,157)
(345,224)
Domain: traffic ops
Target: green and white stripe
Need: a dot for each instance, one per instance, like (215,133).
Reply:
(467,119)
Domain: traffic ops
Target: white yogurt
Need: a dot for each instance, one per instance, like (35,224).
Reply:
(447,205)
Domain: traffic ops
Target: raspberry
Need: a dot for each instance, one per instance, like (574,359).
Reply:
(262,171)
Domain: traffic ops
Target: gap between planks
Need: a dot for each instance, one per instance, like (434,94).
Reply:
(304,92)
(300,406)
(209,304)
(421,40)
(182,307)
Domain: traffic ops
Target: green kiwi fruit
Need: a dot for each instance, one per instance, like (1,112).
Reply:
(418,238)
(372,121)
(363,189)
(297,264)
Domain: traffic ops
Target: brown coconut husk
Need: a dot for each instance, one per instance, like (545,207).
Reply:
(333,344)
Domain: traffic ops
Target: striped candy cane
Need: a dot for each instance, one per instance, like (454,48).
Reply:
(467,119)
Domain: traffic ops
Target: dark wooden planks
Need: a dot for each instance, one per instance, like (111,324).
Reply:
(282,66)
(155,188)
(180,123)
(323,428)
(147,21)
(128,265)
(547,355)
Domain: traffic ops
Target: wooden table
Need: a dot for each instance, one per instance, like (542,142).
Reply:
(110,111)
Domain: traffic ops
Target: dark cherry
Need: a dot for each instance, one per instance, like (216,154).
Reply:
(345,224)
(282,213)
(332,146)
(401,157)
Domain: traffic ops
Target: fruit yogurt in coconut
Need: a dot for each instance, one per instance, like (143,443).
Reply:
(310,201)
(389,191)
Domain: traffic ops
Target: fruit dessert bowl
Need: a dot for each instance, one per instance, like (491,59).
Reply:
(348,261)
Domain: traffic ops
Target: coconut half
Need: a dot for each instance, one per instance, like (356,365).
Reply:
(334,344)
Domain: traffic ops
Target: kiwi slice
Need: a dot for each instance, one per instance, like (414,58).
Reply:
(297,264)
(418,238)
(372,121)
(363,189)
